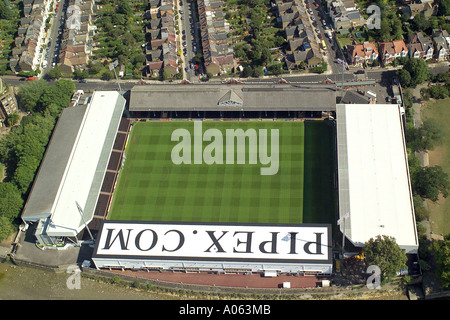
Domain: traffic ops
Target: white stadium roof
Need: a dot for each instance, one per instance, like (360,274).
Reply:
(374,184)
(74,165)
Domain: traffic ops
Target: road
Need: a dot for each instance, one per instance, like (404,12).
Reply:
(57,23)
(190,22)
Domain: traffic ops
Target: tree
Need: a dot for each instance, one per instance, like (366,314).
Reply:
(426,137)
(54,73)
(430,182)
(13,118)
(30,93)
(441,252)
(11,201)
(418,70)
(5,11)
(107,75)
(405,77)
(6,228)
(247,72)
(384,252)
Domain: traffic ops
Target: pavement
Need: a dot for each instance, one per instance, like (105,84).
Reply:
(27,252)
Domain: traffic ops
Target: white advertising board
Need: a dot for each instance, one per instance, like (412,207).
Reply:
(224,242)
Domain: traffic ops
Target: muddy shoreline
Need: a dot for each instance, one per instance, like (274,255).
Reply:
(25,283)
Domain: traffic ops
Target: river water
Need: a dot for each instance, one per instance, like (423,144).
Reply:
(24,283)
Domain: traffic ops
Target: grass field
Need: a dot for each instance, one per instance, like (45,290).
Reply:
(440,210)
(151,188)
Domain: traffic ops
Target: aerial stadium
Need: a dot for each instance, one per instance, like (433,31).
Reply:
(178,182)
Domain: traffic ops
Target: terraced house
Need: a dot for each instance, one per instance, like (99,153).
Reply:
(161,49)
(25,54)
(303,50)
(76,42)
(217,51)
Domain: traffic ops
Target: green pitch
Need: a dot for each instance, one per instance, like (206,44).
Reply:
(151,187)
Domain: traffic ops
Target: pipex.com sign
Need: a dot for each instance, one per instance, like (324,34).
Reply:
(225,242)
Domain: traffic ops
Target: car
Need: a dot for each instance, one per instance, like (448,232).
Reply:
(360,72)
(184,44)
(186,69)
(310,11)
(318,30)
(316,4)
(324,22)
(312,18)
(182,17)
(83,81)
(308,6)
(191,20)
(183,37)
(319,35)
(181,11)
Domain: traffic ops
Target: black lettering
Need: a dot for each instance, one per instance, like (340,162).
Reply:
(109,243)
(318,244)
(293,242)
(215,241)
(138,240)
(273,242)
(248,243)
(180,243)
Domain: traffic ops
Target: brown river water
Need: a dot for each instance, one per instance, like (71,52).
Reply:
(23,283)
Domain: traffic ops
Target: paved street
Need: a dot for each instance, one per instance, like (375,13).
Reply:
(53,38)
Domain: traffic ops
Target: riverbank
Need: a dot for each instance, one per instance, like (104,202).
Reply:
(24,283)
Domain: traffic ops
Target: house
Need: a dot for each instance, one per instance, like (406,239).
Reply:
(441,42)
(161,50)
(428,9)
(360,53)
(420,46)
(308,58)
(216,44)
(389,51)
(344,14)
(8,103)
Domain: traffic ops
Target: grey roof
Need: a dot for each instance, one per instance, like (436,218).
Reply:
(249,97)
(51,171)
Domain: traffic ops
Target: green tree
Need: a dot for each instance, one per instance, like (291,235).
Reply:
(30,93)
(418,70)
(384,252)
(54,73)
(11,201)
(107,75)
(13,119)
(430,182)
(6,228)
(405,77)
(441,252)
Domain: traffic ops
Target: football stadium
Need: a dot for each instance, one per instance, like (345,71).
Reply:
(224,178)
